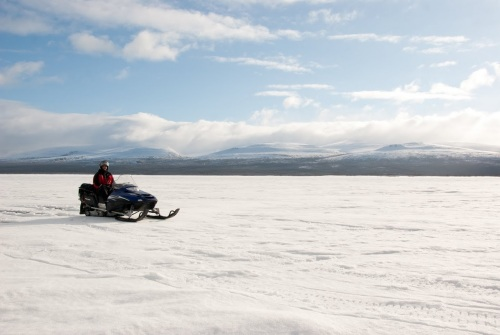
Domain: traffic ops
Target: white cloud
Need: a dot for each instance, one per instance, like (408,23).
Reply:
(152,46)
(329,17)
(19,71)
(291,98)
(123,74)
(17,20)
(432,51)
(439,40)
(444,64)
(439,91)
(367,37)
(477,79)
(266,117)
(439,44)
(496,68)
(290,34)
(275,94)
(88,43)
(286,64)
(412,93)
(146,45)
(24,128)
(25,25)
(151,15)
(302,86)
(293,102)
(274,3)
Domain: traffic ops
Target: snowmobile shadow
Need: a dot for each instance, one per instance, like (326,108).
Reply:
(70,220)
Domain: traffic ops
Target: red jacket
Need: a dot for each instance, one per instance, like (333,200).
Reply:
(102,177)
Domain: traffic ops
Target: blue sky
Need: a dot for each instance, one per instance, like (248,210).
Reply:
(199,76)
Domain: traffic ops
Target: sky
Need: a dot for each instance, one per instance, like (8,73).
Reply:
(200,76)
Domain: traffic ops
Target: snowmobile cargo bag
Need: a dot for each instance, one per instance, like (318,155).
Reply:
(85,188)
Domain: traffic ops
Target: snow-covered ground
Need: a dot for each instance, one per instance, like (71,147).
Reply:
(254,255)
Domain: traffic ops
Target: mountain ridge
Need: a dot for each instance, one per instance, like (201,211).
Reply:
(343,158)
(282,149)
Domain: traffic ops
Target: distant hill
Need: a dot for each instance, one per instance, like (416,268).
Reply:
(343,158)
(91,153)
(275,150)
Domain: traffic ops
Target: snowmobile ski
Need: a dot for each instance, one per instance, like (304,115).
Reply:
(142,215)
(158,216)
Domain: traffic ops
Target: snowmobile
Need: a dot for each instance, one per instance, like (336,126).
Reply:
(126,202)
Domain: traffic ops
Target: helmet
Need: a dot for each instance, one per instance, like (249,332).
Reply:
(104,163)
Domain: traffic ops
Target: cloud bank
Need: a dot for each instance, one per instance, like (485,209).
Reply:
(25,129)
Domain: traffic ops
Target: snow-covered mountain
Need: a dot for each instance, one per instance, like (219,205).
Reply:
(348,149)
(442,148)
(428,150)
(342,158)
(263,150)
(93,153)
(275,150)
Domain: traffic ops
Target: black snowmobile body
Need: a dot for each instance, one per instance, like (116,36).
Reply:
(126,202)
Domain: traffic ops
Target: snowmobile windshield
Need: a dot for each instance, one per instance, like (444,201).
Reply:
(125,181)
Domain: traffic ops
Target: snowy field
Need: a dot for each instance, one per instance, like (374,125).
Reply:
(254,255)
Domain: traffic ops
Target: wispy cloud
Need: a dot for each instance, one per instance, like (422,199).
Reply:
(266,117)
(123,74)
(412,93)
(275,94)
(444,64)
(432,45)
(428,40)
(330,17)
(292,98)
(302,86)
(25,24)
(369,37)
(416,44)
(275,3)
(286,64)
(438,91)
(19,71)
(26,128)
(439,40)
(290,34)
(155,16)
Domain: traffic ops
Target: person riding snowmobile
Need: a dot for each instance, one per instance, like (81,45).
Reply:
(103,182)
